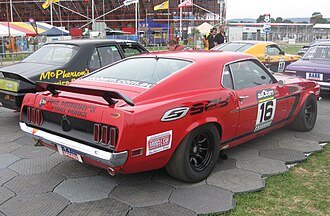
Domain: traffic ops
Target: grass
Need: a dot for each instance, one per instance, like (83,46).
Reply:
(304,190)
(291,49)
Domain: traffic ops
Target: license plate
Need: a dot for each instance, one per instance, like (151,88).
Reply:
(314,76)
(69,153)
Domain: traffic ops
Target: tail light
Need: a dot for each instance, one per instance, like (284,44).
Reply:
(106,135)
(34,116)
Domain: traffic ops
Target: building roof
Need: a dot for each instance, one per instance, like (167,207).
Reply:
(322,26)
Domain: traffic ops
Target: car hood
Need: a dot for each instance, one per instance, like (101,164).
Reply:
(310,65)
(28,70)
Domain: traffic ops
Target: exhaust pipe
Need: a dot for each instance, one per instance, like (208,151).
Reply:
(111,171)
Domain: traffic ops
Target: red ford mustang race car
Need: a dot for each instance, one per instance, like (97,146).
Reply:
(175,110)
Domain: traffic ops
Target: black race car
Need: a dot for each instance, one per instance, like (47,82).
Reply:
(60,62)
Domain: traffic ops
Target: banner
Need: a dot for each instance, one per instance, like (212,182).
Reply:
(162,6)
(186,3)
(47,3)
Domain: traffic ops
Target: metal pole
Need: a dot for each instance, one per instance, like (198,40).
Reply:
(181,20)
(168,21)
(136,22)
(11,11)
(220,12)
(103,11)
(51,14)
(93,18)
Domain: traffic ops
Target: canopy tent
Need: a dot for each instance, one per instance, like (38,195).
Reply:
(24,28)
(4,31)
(54,31)
(204,28)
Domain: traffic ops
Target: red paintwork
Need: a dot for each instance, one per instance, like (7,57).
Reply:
(196,83)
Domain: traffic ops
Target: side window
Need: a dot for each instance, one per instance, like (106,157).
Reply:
(108,55)
(273,50)
(94,62)
(227,80)
(247,74)
(131,50)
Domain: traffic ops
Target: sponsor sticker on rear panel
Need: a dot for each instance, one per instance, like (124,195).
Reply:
(159,142)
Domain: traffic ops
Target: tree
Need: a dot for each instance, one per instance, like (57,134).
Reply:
(261,19)
(287,21)
(317,18)
(279,20)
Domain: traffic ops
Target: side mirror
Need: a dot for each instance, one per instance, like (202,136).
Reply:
(282,53)
(281,83)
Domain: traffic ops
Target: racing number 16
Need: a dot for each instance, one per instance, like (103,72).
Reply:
(266,111)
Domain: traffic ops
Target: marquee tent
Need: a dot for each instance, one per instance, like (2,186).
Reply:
(54,31)
(4,31)
(204,28)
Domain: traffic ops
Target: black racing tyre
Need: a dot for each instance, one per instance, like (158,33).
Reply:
(197,154)
(307,115)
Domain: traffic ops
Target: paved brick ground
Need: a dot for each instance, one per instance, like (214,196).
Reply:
(38,181)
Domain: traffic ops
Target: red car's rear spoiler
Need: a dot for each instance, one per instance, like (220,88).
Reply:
(107,95)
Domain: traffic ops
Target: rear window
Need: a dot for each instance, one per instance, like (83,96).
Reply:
(143,72)
(319,52)
(58,54)
(235,47)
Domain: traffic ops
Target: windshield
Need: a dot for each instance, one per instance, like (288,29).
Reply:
(320,52)
(58,54)
(142,72)
(236,47)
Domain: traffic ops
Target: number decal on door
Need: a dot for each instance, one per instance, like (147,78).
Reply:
(281,65)
(266,108)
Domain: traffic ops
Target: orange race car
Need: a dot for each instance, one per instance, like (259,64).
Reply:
(269,53)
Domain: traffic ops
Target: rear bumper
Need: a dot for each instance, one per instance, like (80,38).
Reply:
(112,159)
(11,100)
(325,86)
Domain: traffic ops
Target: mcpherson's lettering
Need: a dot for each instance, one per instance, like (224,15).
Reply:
(62,74)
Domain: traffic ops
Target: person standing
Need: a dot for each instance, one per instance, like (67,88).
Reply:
(174,46)
(219,37)
(208,39)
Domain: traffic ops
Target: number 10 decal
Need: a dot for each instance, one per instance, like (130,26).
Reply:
(266,108)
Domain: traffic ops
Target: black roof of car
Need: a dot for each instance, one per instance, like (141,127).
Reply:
(91,41)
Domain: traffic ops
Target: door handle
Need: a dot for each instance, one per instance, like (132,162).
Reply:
(242,97)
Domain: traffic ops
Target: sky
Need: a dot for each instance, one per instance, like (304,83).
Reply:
(277,8)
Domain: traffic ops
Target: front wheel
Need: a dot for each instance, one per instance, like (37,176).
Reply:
(307,115)
(197,154)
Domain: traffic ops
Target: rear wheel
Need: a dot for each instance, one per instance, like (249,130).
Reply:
(307,115)
(197,154)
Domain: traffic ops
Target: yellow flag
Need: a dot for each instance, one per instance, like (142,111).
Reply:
(162,6)
(47,3)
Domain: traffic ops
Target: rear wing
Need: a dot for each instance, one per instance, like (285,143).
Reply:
(105,94)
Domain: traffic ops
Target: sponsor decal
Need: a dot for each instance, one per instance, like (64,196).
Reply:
(72,108)
(63,74)
(9,85)
(314,76)
(34,131)
(206,106)
(266,108)
(175,114)
(293,89)
(115,115)
(159,142)
(121,81)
